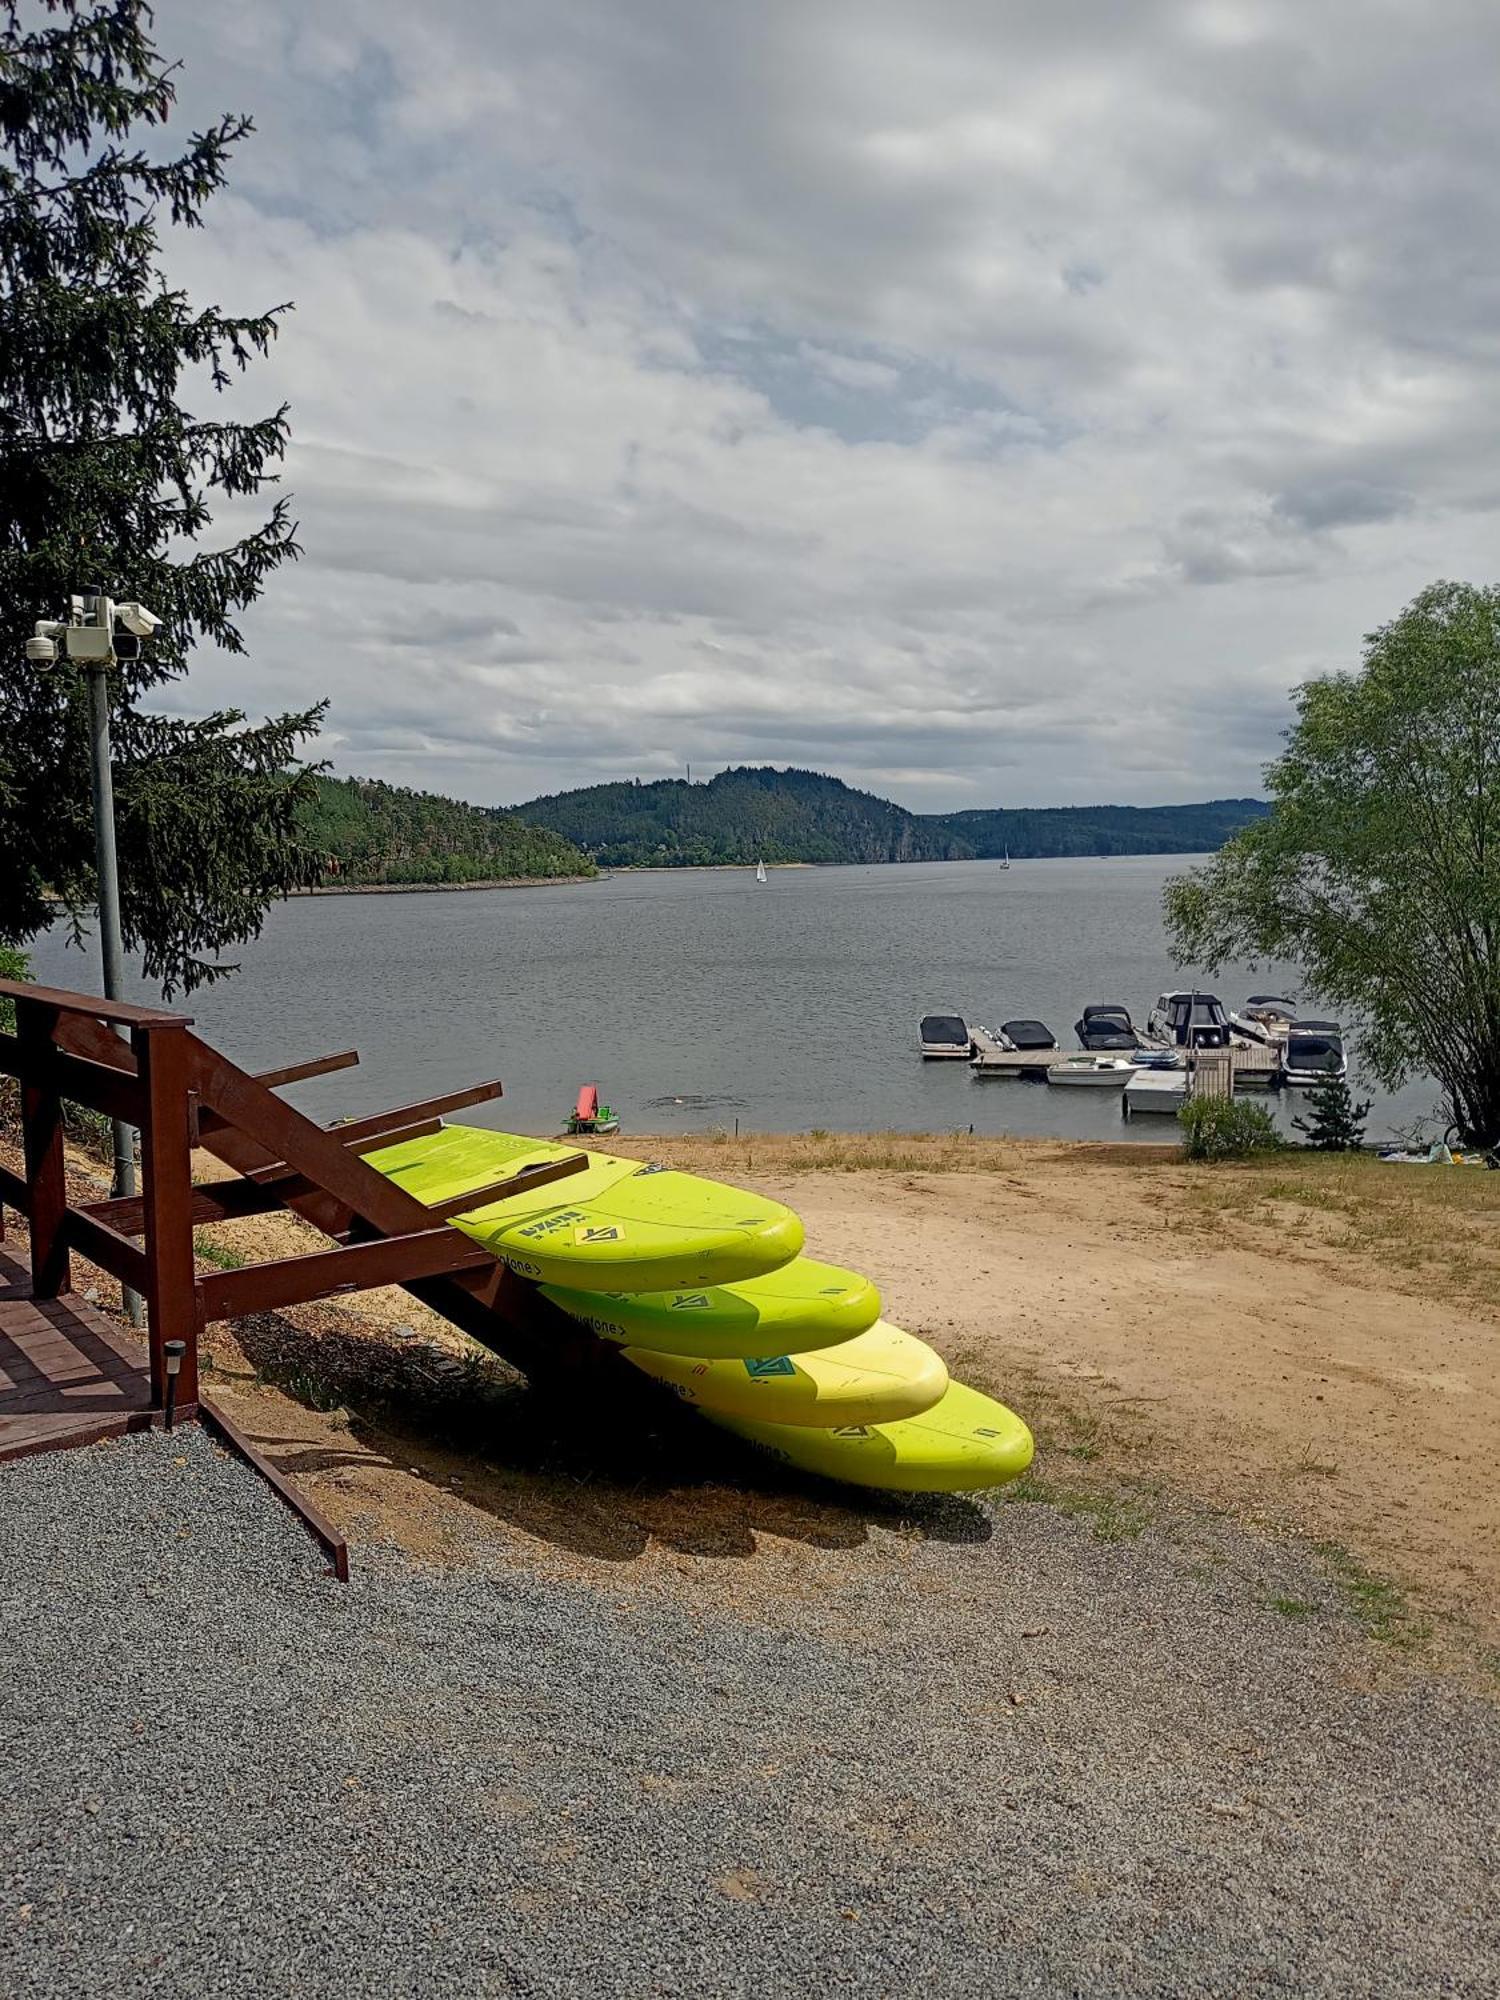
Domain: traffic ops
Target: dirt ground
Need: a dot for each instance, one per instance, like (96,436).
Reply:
(1250,1337)
(1310,1344)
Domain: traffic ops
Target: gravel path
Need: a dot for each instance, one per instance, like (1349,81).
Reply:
(1045,1764)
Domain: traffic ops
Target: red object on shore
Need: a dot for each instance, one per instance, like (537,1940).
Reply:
(588,1102)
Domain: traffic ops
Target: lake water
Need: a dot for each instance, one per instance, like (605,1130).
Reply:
(696,997)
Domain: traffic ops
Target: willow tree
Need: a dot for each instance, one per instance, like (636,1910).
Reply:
(108,482)
(1377,870)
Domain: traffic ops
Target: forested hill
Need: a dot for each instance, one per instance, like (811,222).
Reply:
(369,832)
(751,814)
(1053,830)
(742,815)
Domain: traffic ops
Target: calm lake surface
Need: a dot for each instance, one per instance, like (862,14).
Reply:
(696,997)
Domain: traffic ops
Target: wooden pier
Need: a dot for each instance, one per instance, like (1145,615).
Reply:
(990,1059)
(1212,1072)
(1228,1072)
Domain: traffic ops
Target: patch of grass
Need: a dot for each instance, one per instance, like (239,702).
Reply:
(821,1151)
(1377,1604)
(218,1254)
(1291,1607)
(1114,1516)
(1431,1230)
(317,1392)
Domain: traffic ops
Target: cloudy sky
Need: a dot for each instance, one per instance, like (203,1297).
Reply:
(989,402)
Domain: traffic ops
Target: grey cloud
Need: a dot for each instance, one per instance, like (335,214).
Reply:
(855,384)
(1342,504)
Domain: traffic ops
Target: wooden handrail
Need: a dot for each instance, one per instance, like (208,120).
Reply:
(124,1013)
(100,1086)
(273,1079)
(388,1260)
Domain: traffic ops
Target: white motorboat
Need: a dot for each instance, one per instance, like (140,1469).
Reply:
(1264,1019)
(945,1038)
(1185,1020)
(1095,1072)
(1155,1092)
(1314,1054)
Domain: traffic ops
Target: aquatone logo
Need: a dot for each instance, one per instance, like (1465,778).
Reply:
(561,1218)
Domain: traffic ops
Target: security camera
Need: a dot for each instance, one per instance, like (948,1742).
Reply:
(136,618)
(41,650)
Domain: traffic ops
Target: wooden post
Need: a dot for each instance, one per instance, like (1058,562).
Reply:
(174,1309)
(42,1142)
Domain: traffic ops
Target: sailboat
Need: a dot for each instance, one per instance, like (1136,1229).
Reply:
(1006,862)
(760,871)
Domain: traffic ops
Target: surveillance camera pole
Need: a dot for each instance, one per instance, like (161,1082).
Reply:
(106,866)
(87,639)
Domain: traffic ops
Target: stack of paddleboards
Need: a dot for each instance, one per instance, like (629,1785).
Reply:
(704,1287)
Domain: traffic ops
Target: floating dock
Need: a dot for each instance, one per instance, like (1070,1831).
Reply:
(1212,1072)
(992,1059)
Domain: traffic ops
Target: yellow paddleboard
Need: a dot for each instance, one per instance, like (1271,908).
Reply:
(617,1226)
(963,1443)
(804,1305)
(874,1378)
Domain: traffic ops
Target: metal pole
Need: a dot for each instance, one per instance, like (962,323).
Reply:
(111,946)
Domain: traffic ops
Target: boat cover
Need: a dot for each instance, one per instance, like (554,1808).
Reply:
(1104,1031)
(1028,1034)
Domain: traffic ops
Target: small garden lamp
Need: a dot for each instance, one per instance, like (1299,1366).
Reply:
(172,1353)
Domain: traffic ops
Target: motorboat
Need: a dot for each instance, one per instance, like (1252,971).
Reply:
(1027,1035)
(1154,1093)
(1314,1054)
(1271,1011)
(1264,1018)
(1106,1027)
(1189,1020)
(945,1038)
(1097,1072)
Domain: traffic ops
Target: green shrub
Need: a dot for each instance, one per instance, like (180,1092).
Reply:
(1226,1128)
(13,965)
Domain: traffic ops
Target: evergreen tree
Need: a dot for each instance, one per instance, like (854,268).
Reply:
(106,480)
(1337,1124)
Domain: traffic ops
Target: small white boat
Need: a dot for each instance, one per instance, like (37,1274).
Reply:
(1097,1072)
(1006,862)
(945,1038)
(760,871)
(1155,1092)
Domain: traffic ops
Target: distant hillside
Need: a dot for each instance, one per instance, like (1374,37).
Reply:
(1036,831)
(759,813)
(740,816)
(371,832)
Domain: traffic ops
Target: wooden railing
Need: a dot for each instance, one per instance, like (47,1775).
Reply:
(182,1094)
